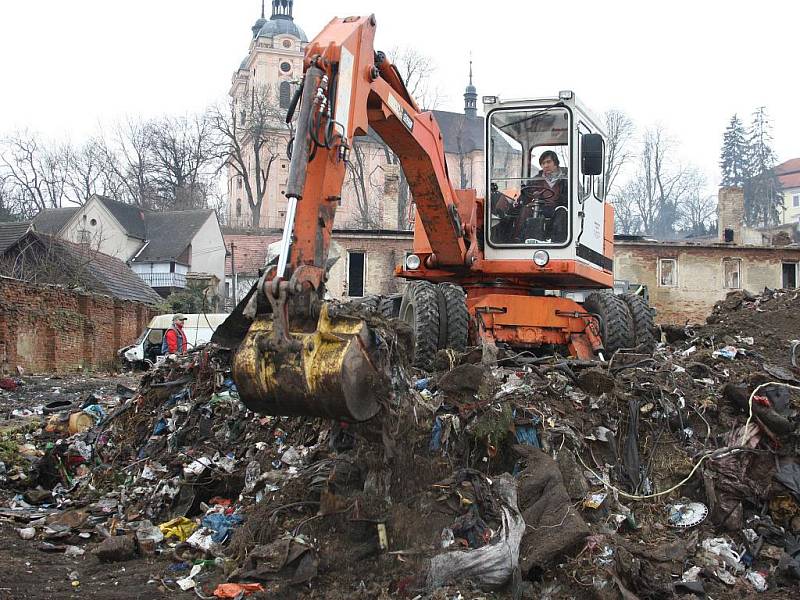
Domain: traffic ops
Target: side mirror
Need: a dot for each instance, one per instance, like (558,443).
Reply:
(592,154)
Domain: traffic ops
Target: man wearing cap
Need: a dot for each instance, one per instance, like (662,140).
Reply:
(174,341)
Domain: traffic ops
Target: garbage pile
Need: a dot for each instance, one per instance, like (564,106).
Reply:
(500,475)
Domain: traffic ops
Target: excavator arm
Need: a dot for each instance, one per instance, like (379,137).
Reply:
(299,356)
(347,89)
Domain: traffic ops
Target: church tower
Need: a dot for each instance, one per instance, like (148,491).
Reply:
(471,97)
(273,67)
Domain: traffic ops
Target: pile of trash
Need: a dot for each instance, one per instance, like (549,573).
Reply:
(500,475)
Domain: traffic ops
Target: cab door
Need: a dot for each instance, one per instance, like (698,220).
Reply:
(589,228)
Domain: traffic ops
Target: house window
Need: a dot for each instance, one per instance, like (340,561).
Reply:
(667,272)
(84,236)
(285,94)
(732,268)
(238,207)
(356,268)
(796,201)
(239,182)
(789,279)
(93,222)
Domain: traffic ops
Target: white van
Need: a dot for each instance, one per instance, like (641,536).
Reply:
(198,329)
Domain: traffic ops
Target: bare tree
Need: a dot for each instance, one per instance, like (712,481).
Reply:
(418,70)
(659,185)
(697,208)
(34,171)
(127,157)
(182,151)
(403,190)
(9,209)
(626,217)
(86,173)
(360,177)
(619,132)
(252,134)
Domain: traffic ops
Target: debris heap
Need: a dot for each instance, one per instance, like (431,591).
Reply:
(500,475)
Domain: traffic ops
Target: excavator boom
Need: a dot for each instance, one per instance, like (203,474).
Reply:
(299,355)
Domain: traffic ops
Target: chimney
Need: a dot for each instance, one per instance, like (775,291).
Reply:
(730,215)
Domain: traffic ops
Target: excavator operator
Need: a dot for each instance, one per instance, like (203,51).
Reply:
(539,212)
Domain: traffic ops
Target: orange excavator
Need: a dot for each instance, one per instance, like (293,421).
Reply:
(529,266)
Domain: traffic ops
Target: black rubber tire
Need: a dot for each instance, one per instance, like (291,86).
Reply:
(420,310)
(644,326)
(616,322)
(389,306)
(371,303)
(457,316)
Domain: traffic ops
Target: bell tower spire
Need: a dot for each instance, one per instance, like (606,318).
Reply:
(282,9)
(470,97)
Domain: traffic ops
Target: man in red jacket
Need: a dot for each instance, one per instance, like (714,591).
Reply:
(175,338)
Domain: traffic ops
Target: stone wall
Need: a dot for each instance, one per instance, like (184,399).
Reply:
(700,281)
(46,328)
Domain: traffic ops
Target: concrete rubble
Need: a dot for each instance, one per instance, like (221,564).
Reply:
(647,476)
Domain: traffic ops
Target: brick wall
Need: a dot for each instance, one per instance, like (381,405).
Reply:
(730,212)
(49,329)
(700,280)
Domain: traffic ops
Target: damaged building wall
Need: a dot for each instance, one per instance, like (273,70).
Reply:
(367,262)
(46,328)
(684,281)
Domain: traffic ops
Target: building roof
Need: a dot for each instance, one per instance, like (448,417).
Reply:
(78,266)
(249,252)
(455,125)
(275,26)
(170,233)
(132,218)
(789,173)
(52,220)
(706,244)
(11,232)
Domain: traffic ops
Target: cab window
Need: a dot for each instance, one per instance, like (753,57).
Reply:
(529,155)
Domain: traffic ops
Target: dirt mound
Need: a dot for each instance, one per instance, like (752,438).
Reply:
(647,475)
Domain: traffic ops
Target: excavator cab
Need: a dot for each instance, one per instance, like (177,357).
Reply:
(545,188)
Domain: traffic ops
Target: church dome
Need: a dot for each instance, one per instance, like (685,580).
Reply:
(281,26)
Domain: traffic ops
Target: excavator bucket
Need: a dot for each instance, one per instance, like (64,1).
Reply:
(331,372)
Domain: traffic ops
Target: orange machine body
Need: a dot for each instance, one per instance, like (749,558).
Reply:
(507,299)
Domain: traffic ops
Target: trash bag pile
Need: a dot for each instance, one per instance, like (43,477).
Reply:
(501,474)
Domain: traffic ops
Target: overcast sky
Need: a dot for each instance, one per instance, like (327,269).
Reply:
(66,66)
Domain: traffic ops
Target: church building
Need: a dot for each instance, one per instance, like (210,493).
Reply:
(375,195)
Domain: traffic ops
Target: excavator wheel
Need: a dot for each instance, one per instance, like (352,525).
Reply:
(643,322)
(457,316)
(420,310)
(389,306)
(616,322)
